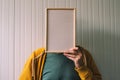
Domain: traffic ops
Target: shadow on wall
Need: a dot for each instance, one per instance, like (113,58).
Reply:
(104,46)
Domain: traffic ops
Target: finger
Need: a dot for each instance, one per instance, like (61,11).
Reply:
(70,58)
(70,55)
(75,48)
(72,50)
(69,52)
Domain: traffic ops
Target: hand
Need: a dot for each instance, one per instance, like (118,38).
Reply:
(73,55)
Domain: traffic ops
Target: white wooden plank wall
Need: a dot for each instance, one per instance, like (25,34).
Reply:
(22,30)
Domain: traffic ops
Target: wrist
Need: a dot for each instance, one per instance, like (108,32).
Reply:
(78,63)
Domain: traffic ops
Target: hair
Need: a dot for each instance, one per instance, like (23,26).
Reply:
(82,50)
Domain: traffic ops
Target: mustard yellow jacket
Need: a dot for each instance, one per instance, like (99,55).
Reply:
(34,66)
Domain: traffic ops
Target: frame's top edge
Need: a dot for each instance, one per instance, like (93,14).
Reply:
(60,8)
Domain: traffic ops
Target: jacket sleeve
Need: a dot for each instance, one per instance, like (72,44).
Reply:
(89,72)
(84,73)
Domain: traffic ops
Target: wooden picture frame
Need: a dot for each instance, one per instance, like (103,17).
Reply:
(60,29)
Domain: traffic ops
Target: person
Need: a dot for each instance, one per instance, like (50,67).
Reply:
(83,61)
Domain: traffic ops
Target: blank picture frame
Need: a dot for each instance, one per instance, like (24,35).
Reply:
(60,29)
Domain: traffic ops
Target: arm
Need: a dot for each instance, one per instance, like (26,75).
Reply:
(91,65)
(86,72)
